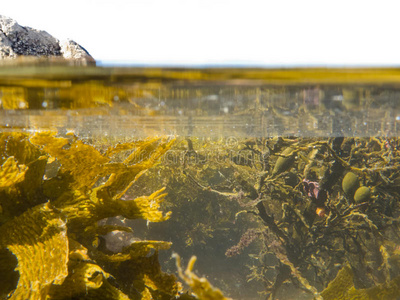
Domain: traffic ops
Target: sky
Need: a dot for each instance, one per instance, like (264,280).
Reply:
(219,32)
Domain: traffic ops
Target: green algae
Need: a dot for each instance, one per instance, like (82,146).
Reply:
(342,288)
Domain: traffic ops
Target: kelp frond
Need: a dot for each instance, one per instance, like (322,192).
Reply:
(201,287)
(11,173)
(49,223)
(38,239)
(88,281)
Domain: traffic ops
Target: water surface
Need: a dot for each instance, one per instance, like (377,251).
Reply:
(279,181)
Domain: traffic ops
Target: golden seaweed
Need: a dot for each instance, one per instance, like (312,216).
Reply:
(61,186)
(11,173)
(30,94)
(38,239)
(82,162)
(201,287)
(135,250)
(52,232)
(21,175)
(143,274)
(147,275)
(13,98)
(87,281)
(342,288)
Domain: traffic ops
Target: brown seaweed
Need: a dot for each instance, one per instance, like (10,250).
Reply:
(49,223)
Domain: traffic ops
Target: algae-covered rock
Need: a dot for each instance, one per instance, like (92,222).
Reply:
(342,288)
(338,287)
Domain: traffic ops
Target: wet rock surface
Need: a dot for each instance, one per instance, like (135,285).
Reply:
(17,40)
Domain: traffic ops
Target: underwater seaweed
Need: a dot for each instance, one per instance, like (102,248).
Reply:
(296,216)
(342,288)
(38,239)
(200,286)
(308,232)
(52,228)
(309,224)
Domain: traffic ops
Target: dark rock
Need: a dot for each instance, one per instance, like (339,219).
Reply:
(16,41)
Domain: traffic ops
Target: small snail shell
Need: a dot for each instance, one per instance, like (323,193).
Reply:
(321,212)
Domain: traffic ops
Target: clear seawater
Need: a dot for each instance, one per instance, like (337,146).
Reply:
(255,178)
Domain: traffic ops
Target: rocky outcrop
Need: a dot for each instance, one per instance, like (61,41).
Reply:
(17,40)
(72,50)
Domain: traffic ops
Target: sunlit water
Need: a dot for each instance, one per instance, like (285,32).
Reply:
(256,178)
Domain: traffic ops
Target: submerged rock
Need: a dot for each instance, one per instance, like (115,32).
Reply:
(17,40)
